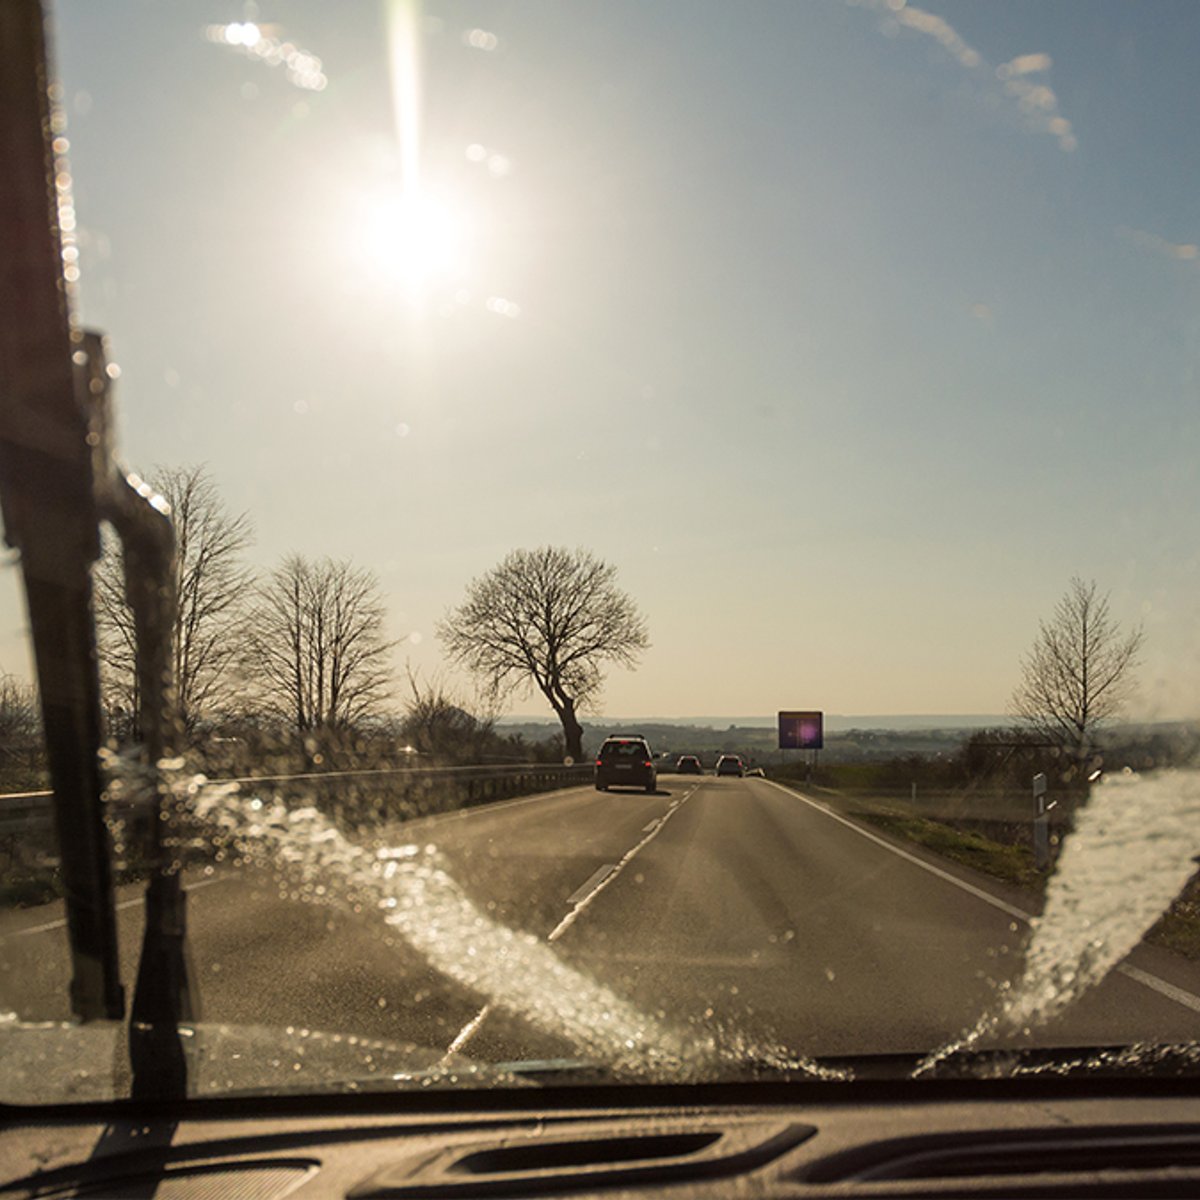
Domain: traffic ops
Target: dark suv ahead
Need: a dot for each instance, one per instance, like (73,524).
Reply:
(625,761)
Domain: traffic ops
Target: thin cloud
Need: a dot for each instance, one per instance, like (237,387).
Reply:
(1024,64)
(941,31)
(1179,251)
(1036,100)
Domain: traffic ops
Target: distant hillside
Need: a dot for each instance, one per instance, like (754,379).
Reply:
(758,741)
(833,721)
(847,739)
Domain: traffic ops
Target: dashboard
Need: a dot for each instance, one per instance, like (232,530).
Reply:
(1002,1138)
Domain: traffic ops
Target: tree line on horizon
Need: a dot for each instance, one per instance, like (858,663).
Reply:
(301,651)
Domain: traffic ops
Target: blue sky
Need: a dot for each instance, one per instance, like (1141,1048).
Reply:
(848,332)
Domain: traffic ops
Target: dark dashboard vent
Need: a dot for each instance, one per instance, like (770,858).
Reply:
(544,1156)
(1058,1158)
(557,1162)
(1082,1151)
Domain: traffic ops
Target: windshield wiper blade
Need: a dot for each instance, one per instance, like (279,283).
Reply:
(58,480)
(48,500)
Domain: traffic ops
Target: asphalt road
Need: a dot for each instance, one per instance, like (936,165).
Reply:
(723,907)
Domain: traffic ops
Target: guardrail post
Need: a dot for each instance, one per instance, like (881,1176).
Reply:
(1041,824)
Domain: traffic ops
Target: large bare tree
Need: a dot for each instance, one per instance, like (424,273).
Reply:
(1079,673)
(549,617)
(212,583)
(315,649)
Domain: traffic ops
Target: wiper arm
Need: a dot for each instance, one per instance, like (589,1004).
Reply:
(163,996)
(47,498)
(58,479)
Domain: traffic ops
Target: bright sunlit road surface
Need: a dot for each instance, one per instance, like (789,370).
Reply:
(728,906)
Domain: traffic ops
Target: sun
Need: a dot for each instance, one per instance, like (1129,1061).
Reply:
(414,238)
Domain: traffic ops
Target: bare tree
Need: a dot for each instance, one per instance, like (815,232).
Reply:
(315,646)
(212,583)
(20,717)
(549,617)
(1078,674)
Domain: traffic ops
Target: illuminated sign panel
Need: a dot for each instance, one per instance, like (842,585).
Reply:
(801,730)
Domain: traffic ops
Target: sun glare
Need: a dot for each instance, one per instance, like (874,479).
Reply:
(415,239)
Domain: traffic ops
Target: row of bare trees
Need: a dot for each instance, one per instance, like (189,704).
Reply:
(306,646)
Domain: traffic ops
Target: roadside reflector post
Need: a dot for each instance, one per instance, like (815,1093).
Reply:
(1041,824)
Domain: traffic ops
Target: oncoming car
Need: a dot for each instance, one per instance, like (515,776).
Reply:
(730,764)
(625,761)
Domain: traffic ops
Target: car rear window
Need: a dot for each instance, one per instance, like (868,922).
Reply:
(624,750)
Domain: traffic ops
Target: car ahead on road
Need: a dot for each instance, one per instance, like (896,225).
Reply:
(625,761)
(730,764)
(689,764)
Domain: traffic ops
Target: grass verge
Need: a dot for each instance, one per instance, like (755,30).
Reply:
(1179,928)
(1011,864)
(28,893)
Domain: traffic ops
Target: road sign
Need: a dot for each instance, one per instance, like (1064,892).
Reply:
(801,730)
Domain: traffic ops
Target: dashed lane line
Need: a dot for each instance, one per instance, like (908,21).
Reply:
(579,901)
(589,893)
(594,880)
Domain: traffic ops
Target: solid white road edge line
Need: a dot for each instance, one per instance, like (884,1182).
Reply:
(1169,990)
(986,897)
(1178,994)
(62,921)
(468,1031)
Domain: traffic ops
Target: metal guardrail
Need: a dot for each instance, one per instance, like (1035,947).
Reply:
(22,812)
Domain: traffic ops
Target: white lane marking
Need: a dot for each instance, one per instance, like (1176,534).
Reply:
(1161,986)
(1178,994)
(594,880)
(986,897)
(624,861)
(651,827)
(468,1031)
(62,921)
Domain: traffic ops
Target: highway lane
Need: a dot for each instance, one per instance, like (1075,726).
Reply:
(716,905)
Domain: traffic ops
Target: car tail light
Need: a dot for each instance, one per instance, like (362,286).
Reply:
(597,762)
(647,763)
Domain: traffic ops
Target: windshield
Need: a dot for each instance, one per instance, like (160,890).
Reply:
(900,300)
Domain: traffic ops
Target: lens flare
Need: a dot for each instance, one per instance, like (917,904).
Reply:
(414,238)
